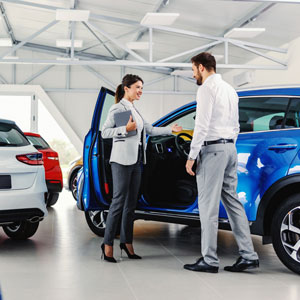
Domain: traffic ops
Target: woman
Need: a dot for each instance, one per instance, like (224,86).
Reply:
(128,152)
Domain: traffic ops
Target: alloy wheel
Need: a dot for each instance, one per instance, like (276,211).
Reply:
(98,218)
(290,233)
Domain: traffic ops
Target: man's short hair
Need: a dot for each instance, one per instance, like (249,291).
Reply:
(205,59)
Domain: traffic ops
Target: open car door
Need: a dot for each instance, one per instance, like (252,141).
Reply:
(96,190)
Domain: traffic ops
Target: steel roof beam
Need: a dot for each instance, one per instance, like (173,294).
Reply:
(130,63)
(116,42)
(14,48)
(160,4)
(53,8)
(7,24)
(101,42)
(100,76)
(40,72)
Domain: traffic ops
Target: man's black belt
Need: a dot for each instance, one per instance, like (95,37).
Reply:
(220,141)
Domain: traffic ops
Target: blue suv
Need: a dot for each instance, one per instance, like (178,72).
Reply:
(268,170)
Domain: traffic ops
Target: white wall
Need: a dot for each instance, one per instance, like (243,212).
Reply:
(291,76)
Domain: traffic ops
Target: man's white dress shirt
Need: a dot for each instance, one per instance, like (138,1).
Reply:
(217,114)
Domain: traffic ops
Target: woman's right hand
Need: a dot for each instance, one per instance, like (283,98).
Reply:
(131,125)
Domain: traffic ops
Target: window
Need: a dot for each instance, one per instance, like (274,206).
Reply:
(262,113)
(11,137)
(109,101)
(292,119)
(38,142)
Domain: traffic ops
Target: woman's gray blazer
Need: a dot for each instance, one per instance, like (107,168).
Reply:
(125,148)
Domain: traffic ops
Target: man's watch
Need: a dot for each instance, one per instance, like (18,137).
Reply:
(189,158)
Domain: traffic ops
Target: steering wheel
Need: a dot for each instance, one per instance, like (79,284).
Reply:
(182,145)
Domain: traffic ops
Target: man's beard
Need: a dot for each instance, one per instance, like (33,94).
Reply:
(199,78)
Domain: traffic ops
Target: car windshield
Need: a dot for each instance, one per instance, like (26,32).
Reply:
(38,142)
(11,136)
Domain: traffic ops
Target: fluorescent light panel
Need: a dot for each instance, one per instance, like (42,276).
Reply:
(159,18)
(11,57)
(72,15)
(68,43)
(5,43)
(244,32)
(138,45)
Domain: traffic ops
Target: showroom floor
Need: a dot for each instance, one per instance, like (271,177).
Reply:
(62,261)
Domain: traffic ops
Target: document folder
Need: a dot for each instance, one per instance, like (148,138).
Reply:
(122,118)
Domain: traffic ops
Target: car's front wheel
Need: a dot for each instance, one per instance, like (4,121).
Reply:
(96,220)
(21,230)
(286,233)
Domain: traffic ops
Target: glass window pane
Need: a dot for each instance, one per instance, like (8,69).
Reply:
(38,142)
(109,101)
(262,113)
(293,116)
(11,137)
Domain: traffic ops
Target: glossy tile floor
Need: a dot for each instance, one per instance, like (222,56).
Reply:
(62,261)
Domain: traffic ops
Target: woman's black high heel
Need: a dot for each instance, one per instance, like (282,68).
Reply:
(107,258)
(131,256)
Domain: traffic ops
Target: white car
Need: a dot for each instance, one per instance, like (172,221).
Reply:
(22,183)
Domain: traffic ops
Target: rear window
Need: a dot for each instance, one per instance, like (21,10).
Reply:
(38,142)
(11,136)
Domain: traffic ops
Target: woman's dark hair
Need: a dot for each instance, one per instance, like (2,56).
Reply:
(205,59)
(128,80)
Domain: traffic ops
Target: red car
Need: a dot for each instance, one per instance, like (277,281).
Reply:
(53,174)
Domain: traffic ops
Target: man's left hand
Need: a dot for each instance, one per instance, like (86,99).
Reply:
(189,165)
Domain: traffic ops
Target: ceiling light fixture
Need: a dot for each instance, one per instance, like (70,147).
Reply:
(65,43)
(159,18)
(5,43)
(72,15)
(11,57)
(238,33)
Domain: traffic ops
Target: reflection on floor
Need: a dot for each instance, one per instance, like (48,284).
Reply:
(62,261)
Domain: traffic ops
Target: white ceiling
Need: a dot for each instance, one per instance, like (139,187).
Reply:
(210,17)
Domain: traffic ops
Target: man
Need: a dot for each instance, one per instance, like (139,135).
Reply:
(213,144)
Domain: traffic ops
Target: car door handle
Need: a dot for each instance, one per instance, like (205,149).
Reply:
(283,147)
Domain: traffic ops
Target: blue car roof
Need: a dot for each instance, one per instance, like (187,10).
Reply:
(260,91)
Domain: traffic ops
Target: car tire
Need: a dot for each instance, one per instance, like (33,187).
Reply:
(73,184)
(51,199)
(96,220)
(286,233)
(21,230)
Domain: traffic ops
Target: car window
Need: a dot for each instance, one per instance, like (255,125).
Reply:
(109,101)
(187,121)
(10,136)
(37,142)
(262,113)
(293,115)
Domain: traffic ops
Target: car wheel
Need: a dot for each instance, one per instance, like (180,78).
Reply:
(96,220)
(21,230)
(51,199)
(73,184)
(286,233)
